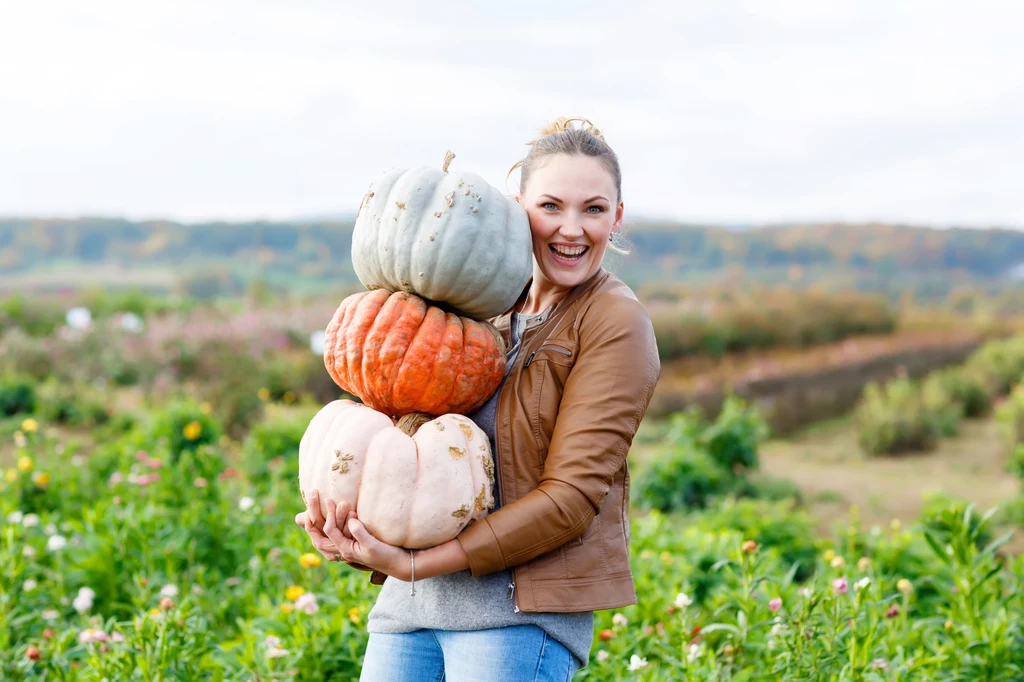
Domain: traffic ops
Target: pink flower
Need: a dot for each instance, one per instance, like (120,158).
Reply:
(893,611)
(155,463)
(841,585)
(775,604)
(116,637)
(307,603)
(141,456)
(91,635)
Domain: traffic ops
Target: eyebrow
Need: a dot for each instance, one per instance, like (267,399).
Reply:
(551,196)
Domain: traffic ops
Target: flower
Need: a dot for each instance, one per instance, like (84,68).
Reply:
(806,592)
(287,608)
(41,479)
(892,611)
(682,600)
(92,635)
(30,520)
(205,408)
(56,543)
(307,603)
(10,475)
(636,663)
(50,529)
(829,555)
(165,604)
(28,551)
(863,564)
(192,430)
(602,655)
(775,604)
(606,634)
(169,591)
(620,620)
(274,649)
(841,585)
(49,633)
(837,562)
(15,517)
(246,503)
(748,547)
(895,524)
(19,439)
(233,581)
(33,654)
(904,586)
(309,560)
(29,585)
(200,482)
(294,592)
(353,615)
(24,464)
(862,583)
(50,614)
(879,664)
(263,394)
(30,425)
(115,478)
(693,653)
(83,602)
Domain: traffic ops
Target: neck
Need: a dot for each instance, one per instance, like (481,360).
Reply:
(543,294)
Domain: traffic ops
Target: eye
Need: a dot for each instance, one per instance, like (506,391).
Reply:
(600,209)
(549,206)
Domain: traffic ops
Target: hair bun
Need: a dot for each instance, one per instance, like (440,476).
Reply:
(563,123)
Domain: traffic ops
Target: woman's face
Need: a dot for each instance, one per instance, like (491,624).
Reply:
(569,200)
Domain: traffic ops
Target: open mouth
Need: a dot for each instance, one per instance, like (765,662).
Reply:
(569,254)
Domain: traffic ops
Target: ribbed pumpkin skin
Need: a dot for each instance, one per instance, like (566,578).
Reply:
(400,356)
(413,492)
(448,237)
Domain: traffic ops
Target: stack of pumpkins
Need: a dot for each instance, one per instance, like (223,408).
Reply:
(440,252)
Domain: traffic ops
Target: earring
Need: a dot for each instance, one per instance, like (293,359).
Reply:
(611,237)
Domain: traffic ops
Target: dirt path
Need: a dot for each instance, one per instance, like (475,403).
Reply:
(828,465)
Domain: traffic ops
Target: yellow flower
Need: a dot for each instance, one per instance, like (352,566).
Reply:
(192,430)
(155,612)
(287,608)
(829,555)
(863,564)
(904,586)
(309,560)
(645,555)
(294,592)
(895,524)
(205,408)
(353,615)
(666,558)
(837,562)
(24,464)
(30,425)
(263,394)
(11,476)
(288,397)
(41,479)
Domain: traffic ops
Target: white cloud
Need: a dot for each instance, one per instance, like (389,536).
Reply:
(731,111)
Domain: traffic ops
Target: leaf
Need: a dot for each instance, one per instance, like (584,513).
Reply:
(936,547)
(985,579)
(996,544)
(714,627)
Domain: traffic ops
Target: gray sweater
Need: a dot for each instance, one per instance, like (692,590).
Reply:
(458,601)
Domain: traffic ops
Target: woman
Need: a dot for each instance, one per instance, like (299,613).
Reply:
(513,596)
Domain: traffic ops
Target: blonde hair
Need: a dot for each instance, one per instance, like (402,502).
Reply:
(561,137)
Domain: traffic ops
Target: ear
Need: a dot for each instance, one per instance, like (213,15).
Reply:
(617,225)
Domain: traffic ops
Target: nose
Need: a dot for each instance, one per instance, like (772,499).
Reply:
(572,226)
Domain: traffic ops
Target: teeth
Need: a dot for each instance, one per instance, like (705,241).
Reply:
(569,252)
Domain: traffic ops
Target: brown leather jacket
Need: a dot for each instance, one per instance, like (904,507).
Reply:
(565,420)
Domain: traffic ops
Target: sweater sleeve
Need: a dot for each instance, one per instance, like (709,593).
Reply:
(604,399)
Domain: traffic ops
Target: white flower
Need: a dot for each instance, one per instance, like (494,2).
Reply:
(51,614)
(254,563)
(637,663)
(28,551)
(683,600)
(862,583)
(82,604)
(197,589)
(602,656)
(273,642)
(15,517)
(76,460)
(50,529)
(693,653)
(56,543)
(169,591)
(307,603)
(246,503)
(620,619)
(92,635)
(805,593)
(30,520)
(876,531)
(29,585)
(277,652)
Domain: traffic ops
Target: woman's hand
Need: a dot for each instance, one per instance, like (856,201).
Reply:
(342,537)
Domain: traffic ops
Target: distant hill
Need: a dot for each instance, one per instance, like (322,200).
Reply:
(51,253)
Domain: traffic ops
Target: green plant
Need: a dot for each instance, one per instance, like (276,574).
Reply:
(17,395)
(894,418)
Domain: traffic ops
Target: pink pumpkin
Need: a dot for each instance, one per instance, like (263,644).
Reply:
(415,483)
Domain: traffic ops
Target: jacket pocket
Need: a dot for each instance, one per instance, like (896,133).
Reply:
(547,369)
(563,354)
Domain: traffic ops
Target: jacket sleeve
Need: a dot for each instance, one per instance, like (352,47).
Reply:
(603,400)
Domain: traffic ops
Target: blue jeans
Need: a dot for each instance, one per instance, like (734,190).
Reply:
(522,653)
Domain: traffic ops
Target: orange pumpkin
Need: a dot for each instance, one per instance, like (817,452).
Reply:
(400,355)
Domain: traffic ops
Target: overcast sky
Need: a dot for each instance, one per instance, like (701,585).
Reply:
(728,112)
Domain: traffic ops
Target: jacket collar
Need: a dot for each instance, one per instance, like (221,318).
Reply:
(503,322)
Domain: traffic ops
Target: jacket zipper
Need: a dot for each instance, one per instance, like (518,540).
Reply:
(554,348)
(504,492)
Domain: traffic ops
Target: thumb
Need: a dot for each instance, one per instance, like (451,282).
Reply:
(359,532)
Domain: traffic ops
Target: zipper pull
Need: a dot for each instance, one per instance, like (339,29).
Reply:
(530,359)
(511,595)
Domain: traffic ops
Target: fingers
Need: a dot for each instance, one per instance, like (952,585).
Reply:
(301,519)
(313,506)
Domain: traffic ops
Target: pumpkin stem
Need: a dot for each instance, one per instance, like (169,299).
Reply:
(448,157)
(409,424)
